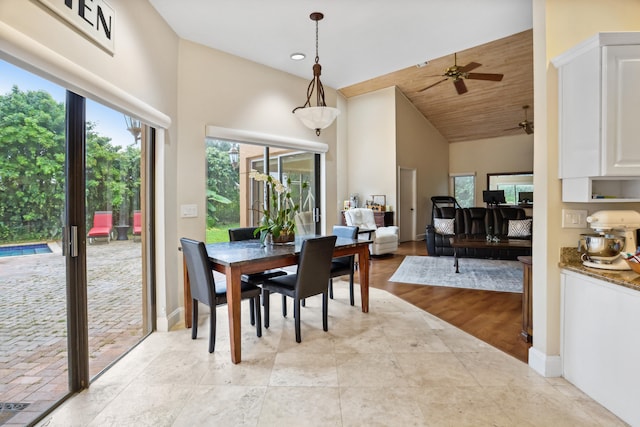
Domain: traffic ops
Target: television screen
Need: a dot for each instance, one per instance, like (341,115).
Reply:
(493,197)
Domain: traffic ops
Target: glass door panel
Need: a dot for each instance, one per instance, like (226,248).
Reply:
(114,238)
(299,168)
(33,277)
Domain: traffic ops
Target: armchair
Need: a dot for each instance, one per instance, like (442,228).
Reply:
(385,239)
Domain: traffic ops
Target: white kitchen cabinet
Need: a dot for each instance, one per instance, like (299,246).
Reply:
(600,350)
(599,116)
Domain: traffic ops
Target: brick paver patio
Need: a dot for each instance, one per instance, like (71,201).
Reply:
(33,325)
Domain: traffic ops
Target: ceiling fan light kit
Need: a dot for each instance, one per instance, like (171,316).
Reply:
(320,116)
(526,125)
(458,74)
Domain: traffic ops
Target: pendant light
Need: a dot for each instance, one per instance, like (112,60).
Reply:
(320,116)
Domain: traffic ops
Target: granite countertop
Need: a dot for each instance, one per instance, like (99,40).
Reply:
(570,260)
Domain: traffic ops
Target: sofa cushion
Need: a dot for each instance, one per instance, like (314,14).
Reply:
(475,221)
(502,216)
(519,228)
(444,225)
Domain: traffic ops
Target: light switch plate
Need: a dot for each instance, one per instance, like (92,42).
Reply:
(188,211)
(574,218)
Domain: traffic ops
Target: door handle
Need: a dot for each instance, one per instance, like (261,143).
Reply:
(70,241)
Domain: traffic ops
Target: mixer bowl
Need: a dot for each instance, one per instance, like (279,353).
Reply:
(603,248)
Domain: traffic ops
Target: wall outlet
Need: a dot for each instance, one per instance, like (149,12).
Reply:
(188,211)
(574,218)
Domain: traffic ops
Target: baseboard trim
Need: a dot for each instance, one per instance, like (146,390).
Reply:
(545,365)
(164,324)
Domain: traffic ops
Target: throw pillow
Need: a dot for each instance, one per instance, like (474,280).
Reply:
(519,228)
(444,226)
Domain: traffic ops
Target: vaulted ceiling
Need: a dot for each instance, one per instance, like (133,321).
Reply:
(489,109)
(368,46)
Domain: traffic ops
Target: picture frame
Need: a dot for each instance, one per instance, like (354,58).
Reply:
(379,202)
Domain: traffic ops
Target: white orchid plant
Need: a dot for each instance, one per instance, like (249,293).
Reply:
(278,217)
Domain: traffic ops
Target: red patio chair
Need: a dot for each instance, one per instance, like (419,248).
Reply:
(102,226)
(137,223)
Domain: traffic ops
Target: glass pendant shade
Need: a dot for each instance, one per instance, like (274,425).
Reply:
(317,117)
(320,116)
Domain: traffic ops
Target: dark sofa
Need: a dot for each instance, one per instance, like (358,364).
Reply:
(476,222)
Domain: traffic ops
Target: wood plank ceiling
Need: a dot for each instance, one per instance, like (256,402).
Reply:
(489,109)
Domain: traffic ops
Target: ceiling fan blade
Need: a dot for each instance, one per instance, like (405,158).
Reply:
(460,86)
(430,86)
(470,66)
(485,76)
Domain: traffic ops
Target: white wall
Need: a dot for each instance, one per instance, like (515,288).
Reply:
(420,146)
(371,134)
(492,155)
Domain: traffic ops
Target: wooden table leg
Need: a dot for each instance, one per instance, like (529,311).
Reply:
(187,295)
(234,284)
(363,258)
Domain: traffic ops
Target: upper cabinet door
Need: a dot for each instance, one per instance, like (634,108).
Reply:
(599,107)
(621,110)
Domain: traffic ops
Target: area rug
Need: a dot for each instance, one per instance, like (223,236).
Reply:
(481,274)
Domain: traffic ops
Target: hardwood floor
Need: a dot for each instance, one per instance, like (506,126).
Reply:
(494,317)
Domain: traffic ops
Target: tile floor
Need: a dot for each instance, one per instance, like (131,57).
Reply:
(395,366)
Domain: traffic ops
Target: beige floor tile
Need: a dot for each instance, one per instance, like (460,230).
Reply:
(369,370)
(304,369)
(434,369)
(387,406)
(301,406)
(222,406)
(145,405)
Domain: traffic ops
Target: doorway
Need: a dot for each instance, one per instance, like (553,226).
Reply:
(407,204)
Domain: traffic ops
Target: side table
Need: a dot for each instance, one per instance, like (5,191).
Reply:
(122,232)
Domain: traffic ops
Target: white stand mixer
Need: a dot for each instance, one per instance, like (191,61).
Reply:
(623,223)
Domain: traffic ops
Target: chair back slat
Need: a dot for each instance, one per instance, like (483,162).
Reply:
(314,266)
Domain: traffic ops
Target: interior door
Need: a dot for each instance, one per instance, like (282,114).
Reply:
(407,210)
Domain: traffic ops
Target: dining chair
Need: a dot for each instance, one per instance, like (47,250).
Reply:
(248,233)
(311,278)
(341,266)
(206,290)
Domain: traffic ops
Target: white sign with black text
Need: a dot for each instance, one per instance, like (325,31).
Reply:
(94,18)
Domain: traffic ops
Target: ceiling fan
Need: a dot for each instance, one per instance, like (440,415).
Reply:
(458,74)
(525,125)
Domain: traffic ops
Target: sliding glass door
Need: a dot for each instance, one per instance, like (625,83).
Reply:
(73,241)
(114,148)
(235,200)
(33,304)
(303,171)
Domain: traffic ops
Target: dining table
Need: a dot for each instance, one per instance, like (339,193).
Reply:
(233,259)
